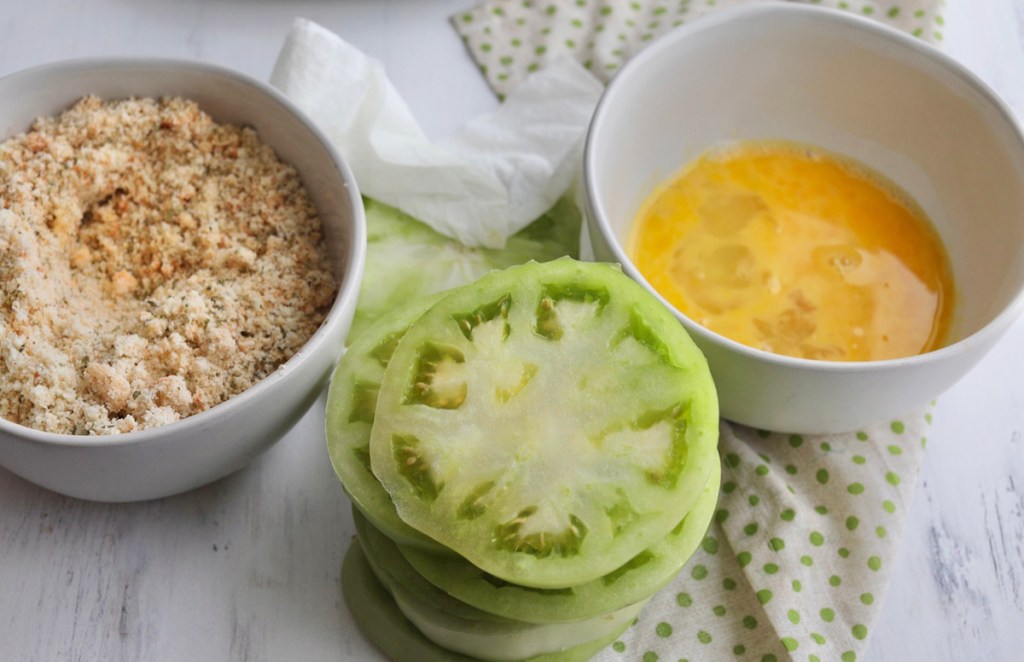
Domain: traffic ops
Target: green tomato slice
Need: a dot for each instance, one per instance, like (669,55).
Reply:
(351,403)
(639,578)
(390,567)
(382,622)
(548,423)
(406,259)
(465,629)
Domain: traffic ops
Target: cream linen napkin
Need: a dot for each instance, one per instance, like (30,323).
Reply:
(806,533)
(798,557)
(510,39)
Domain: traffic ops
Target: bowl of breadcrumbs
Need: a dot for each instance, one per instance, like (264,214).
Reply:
(180,255)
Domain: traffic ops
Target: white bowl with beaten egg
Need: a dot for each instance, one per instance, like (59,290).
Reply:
(849,86)
(172,458)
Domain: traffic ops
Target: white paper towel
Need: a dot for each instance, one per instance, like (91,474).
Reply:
(501,172)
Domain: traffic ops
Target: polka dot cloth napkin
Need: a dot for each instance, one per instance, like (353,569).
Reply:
(512,38)
(798,556)
(797,559)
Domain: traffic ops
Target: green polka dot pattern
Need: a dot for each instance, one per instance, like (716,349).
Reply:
(510,39)
(800,574)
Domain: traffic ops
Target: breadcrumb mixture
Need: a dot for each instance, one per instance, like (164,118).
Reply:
(152,265)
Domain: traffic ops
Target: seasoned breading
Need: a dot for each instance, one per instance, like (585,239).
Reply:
(153,264)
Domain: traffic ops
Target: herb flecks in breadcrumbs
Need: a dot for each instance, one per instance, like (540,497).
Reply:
(153,264)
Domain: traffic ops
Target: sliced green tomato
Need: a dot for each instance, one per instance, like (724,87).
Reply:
(464,629)
(502,642)
(548,422)
(639,578)
(390,567)
(406,259)
(351,403)
(381,621)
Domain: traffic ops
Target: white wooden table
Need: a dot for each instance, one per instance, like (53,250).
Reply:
(247,568)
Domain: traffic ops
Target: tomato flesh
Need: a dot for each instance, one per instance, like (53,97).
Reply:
(548,423)
(638,578)
(351,408)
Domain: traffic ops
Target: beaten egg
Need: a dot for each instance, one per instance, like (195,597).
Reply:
(797,251)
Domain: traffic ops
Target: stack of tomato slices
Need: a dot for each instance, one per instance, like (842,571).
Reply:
(530,458)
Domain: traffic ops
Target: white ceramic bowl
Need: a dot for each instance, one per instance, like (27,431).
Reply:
(194,451)
(855,87)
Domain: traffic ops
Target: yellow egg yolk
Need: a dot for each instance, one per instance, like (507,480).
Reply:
(796,251)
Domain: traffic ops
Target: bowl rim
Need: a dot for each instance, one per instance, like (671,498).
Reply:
(855,24)
(347,292)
